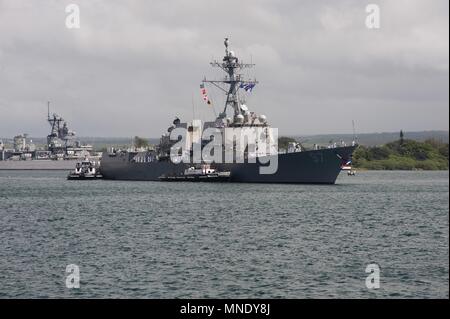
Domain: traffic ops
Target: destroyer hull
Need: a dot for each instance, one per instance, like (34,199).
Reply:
(307,167)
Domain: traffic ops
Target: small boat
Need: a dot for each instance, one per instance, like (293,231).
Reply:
(350,171)
(85,169)
(348,168)
(203,174)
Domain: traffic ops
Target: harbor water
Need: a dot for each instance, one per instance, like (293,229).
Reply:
(203,240)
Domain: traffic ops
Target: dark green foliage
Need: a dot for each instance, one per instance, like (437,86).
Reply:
(441,147)
(379,153)
(403,155)
(443,151)
(140,142)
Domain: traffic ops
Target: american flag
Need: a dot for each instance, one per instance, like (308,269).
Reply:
(204,94)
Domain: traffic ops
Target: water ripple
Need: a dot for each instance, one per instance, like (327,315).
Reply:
(177,240)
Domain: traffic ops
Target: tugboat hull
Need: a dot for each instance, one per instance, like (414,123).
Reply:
(72,177)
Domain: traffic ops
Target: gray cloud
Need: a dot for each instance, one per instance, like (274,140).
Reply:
(133,65)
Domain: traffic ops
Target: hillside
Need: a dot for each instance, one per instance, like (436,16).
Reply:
(403,155)
(373,139)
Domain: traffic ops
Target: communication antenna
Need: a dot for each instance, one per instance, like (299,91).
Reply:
(232,67)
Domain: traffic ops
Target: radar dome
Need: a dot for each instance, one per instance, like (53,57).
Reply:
(262,118)
(239,118)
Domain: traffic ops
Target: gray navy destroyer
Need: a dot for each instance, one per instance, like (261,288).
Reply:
(295,165)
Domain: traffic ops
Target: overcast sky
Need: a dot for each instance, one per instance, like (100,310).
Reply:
(133,65)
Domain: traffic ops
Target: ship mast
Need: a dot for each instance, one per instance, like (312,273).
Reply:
(234,79)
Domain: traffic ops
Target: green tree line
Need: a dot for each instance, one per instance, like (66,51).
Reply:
(403,155)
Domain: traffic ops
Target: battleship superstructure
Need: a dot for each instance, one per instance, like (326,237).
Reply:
(320,165)
(61,144)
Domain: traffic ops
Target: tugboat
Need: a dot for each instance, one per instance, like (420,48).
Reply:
(85,169)
(203,174)
(348,168)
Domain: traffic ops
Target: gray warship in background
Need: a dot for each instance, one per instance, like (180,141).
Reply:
(61,151)
(295,165)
